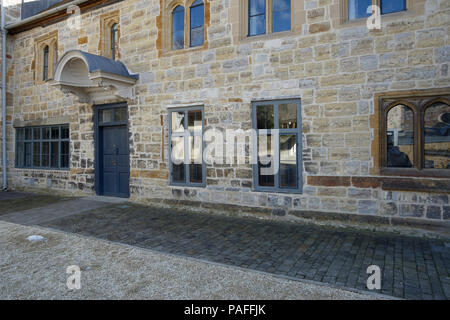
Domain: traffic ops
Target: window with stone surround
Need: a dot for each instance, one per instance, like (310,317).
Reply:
(186,165)
(110,35)
(358,9)
(257,19)
(184,25)
(415,134)
(46,56)
(44,147)
(278,165)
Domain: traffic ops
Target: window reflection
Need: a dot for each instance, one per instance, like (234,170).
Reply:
(178,121)
(287,114)
(390,6)
(178,28)
(288,161)
(358,9)
(197,23)
(265,117)
(256,17)
(281,15)
(266,172)
(400,137)
(437,136)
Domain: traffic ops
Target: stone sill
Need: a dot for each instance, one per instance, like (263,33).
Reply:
(385,18)
(265,37)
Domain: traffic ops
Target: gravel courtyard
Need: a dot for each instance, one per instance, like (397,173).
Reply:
(114,271)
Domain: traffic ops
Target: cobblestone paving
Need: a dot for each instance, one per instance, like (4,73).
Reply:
(413,268)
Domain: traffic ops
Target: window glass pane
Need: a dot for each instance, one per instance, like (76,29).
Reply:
(197,36)
(437,136)
(64,154)
(195,120)
(197,16)
(400,137)
(257,7)
(36,154)
(20,134)
(54,154)
(177,158)
(107,115)
(389,6)
(178,121)
(27,133)
(65,132)
(178,28)
(358,9)
(55,132)
(28,154)
(36,133)
(19,154)
(257,25)
(265,157)
(281,15)
(288,161)
(46,133)
(120,114)
(287,115)
(45,154)
(265,117)
(195,163)
(45,71)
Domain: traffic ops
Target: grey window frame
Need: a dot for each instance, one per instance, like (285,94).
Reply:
(187,182)
(297,131)
(40,141)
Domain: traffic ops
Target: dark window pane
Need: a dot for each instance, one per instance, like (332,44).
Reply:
(114,40)
(65,132)
(257,7)
(358,9)
(120,114)
(178,28)
(195,161)
(287,115)
(197,36)
(45,154)
(281,15)
(288,161)
(36,133)
(178,121)
(54,154)
(265,117)
(389,6)
(28,154)
(45,71)
(20,134)
(437,136)
(55,132)
(20,154)
(177,158)
(46,133)
(107,115)
(266,172)
(27,133)
(64,154)
(195,120)
(400,137)
(36,154)
(257,25)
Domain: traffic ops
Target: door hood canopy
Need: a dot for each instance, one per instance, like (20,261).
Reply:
(94,79)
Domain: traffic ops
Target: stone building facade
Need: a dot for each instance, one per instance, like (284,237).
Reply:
(339,71)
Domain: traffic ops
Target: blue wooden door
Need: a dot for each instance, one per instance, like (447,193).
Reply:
(115,161)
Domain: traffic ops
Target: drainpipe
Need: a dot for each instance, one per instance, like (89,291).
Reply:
(3,34)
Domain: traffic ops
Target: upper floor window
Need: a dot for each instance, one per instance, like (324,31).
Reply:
(114,40)
(45,64)
(46,56)
(178,28)
(110,34)
(197,23)
(360,8)
(415,135)
(267,16)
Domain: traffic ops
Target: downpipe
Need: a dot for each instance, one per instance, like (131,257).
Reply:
(3,34)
